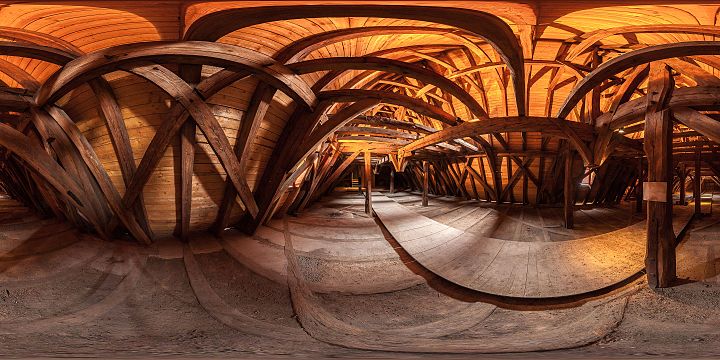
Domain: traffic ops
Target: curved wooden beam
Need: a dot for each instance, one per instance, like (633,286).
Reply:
(495,31)
(38,52)
(55,139)
(403,125)
(46,49)
(14,101)
(590,38)
(547,126)
(333,123)
(19,75)
(39,38)
(93,163)
(495,65)
(628,87)
(43,165)
(698,75)
(330,76)
(703,124)
(339,64)
(300,49)
(178,89)
(96,64)
(630,111)
(419,106)
(632,59)
(218,81)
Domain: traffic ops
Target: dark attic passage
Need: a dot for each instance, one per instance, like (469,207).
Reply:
(361,179)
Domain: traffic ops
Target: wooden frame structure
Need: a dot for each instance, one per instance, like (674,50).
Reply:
(241,112)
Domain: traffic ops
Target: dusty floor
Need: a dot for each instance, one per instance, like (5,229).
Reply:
(122,300)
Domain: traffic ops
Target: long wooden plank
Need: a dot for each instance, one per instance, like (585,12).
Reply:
(703,124)
(249,126)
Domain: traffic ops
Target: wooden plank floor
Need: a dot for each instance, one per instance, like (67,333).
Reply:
(341,250)
(152,297)
(519,223)
(528,268)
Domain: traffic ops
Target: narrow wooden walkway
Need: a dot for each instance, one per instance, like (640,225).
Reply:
(519,268)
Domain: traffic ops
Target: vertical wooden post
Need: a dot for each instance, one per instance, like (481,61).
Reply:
(569,190)
(352,177)
(191,74)
(425,184)
(639,187)
(660,259)
(697,183)
(681,179)
(187,159)
(525,184)
(368,183)
(392,181)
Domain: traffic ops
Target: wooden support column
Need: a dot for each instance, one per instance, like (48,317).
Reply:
(187,159)
(639,187)
(660,259)
(368,183)
(392,181)
(697,183)
(192,75)
(569,193)
(426,174)
(682,179)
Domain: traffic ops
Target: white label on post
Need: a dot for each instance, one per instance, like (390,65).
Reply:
(655,191)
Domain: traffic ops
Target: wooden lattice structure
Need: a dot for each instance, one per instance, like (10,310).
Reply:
(124,117)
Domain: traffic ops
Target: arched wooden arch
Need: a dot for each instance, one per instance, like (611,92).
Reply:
(39,52)
(204,53)
(300,49)
(634,58)
(496,32)
(591,38)
(421,107)
(337,65)
(39,38)
(20,75)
